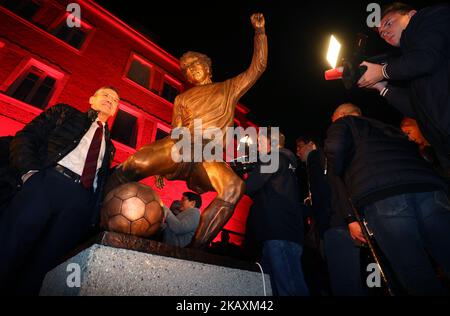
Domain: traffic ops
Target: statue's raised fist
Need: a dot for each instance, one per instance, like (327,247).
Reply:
(258,21)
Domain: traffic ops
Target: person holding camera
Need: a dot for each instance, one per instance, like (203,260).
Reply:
(424,40)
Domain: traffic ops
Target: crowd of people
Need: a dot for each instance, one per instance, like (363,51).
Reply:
(372,183)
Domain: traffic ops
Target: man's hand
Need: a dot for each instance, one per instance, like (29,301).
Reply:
(356,232)
(159,182)
(163,206)
(165,211)
(258,21)
(159,201)
(373,75)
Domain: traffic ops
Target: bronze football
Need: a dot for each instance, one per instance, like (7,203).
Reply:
(132,208)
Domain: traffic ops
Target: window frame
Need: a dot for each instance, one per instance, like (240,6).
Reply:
(134,56)
(39,3)
(162,126)
(123,106)
(85,26)
(156,83)
(22,70)
(173,82)
(41,76)
(48,31)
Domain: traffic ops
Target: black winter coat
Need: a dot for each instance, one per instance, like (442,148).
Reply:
(330,203)
(425,64)
(377,161)
(50,137)
(277,212)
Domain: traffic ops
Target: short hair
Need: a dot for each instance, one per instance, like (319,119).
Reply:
(281,138)
(407,121)
(191,196)
(108,87)
(351,109)
(199,56)
(398,7)
(175,206)
(306,138)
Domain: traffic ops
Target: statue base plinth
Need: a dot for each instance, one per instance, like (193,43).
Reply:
(118,264)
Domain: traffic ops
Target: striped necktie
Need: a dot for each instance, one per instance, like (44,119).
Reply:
(90,165)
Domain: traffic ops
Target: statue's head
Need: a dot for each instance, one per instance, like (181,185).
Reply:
(196,68)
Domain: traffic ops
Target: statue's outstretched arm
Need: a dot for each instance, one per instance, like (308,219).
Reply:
(243,82)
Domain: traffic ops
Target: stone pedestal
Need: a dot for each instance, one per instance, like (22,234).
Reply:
(118,264)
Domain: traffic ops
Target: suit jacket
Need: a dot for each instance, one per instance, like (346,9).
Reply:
(47,139)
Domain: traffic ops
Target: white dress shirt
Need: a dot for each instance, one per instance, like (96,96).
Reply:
(76,158)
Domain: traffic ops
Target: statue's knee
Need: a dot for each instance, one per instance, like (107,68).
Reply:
(234,191)
(240,185)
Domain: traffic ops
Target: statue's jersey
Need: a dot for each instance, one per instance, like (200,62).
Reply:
(214,104)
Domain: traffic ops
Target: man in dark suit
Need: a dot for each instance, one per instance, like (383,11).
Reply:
(62,158)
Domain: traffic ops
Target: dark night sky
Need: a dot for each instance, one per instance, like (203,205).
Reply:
(292,93)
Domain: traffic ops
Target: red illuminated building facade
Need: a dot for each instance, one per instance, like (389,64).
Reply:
(43,62)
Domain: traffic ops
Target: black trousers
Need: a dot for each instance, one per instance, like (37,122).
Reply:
(45,220)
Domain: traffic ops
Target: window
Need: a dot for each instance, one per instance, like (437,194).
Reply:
(74,36)
(35,87)
(160,134)
(139,72)
(24,8)
(169,92)
(48,16)
(125,129)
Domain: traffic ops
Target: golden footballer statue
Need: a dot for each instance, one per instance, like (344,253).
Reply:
(214,104)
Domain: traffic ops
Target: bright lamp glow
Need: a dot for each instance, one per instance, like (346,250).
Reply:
(333,51)
(247,140)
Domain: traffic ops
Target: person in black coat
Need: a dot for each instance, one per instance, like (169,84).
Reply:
(341,253)
(333,216)
(424,65)
(275,221)
(402,198)
(62,158)
(9,180)
(317,221)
